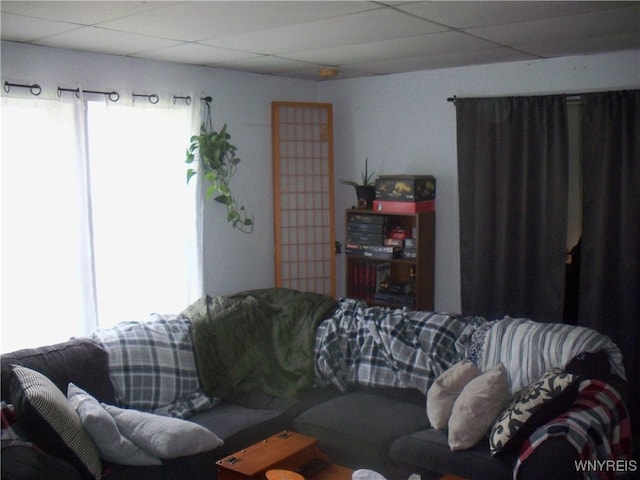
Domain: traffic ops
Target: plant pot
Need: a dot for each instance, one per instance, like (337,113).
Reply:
(366,195)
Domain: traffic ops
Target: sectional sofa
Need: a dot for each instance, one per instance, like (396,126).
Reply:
(167,397)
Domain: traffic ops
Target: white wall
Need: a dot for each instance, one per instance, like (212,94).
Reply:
(404,124)
(233,261)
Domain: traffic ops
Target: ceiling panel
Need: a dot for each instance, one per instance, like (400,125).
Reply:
(101,40)
(364,27)
(18,28)
(82,13)
(298,38)
(195,53)
(584,25)
(484,13)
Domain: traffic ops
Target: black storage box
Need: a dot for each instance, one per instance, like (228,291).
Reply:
(405,188)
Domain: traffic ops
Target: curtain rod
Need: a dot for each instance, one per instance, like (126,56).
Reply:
(35,89)
(570,98)
(113,96)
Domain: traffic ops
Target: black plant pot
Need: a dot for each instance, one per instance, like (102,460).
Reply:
(366,195)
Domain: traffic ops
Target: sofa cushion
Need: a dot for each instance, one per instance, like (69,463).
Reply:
(102,429)
(547,397)
(477,407)
(164,437)
(50,421)
(356,429)
(152,365)
(446,389)
(428,451)
(79,360)
(26,463)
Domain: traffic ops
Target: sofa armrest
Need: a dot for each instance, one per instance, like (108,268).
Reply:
(554,458)
(79,360)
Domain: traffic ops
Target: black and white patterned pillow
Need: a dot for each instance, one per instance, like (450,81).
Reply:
(51,422)
(540,402)
(152,364)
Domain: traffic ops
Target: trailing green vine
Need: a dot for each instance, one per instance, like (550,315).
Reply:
(218,164)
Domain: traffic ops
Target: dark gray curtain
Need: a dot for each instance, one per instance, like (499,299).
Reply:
(610,257)
(513,171)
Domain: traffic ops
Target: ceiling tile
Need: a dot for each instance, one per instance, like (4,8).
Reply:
(419,45)
(586,25)
(82,13)
(195,53)
(105,41)
(374,25)
(19,28)
(193,21)
(622,41)
(457,59)
(466,14)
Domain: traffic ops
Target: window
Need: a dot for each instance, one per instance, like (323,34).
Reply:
(98,224)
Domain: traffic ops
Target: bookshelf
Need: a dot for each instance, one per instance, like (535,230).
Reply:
(370,260)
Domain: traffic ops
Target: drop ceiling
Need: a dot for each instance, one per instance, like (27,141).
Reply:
(356,38)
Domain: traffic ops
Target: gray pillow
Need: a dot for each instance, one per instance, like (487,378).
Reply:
(164,437)
(102,429)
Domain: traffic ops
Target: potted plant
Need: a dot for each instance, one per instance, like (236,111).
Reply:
(366,190)
(218,164)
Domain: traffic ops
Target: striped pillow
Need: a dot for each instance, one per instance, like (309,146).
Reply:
(51,422)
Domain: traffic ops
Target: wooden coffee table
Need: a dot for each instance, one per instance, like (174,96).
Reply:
(283,451)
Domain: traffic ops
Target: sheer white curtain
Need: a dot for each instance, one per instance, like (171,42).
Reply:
(98,226)
(45,249)
(143,212)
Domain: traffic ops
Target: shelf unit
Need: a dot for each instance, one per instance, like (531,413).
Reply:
(418,270)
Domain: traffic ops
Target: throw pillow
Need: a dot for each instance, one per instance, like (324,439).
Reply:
(444,391)
(49,420)
(151,363)
(164,437)
(477,407)
(102,428)
(543,400)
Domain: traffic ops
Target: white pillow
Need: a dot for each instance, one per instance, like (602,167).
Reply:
(477,407)
(102,429)
(165,437)
(444,391)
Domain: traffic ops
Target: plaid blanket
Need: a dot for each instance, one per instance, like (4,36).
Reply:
(384,347)
(152,366)
(597,425)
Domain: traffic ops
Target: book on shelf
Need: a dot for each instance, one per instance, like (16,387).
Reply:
(367,218)
(365,238)
(366,278)
(372,251)
(366,227)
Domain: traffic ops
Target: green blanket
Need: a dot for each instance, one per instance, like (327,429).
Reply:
(257,340)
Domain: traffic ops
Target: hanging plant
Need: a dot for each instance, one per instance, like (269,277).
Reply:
(218,164)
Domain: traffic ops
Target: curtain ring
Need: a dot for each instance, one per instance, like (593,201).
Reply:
(153,98)
(35,89)
(113,96)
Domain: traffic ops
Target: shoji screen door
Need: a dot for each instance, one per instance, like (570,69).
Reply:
(302,136)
